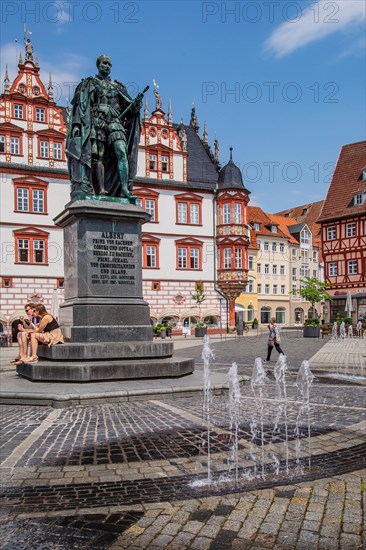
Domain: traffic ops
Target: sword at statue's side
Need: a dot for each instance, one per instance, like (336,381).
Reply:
(137,98)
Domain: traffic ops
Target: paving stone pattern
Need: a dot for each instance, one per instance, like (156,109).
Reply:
(134,475)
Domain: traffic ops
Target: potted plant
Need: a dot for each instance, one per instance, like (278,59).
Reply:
(160,330)
(311,328)
(199,297)
(324,329)
(200,329)
(313,291)
(255,323)
(168,330)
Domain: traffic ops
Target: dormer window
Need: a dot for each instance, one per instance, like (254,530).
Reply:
(304,211)
(256,226)
(22,88)
(363,174)
(274,228)
(36,90)
(358,198)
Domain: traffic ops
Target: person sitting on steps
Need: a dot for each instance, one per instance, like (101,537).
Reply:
(48,332)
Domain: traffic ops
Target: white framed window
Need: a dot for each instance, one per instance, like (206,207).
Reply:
(282,269)
(332,269)
(139,202)
(315,255)
(226,213)
(250,262)
(152,162)
(23,250)
(259,268)
(273,228)
(182,258)
(194,258)
(44,149)
(38,252)
(283,289)
(358,199)
(150,208)
(259,288)
(194,213)
(266,268)
(18,111)
(266,245)
(315,273)
(227,258)
(22,199)
(266,289)
(14,145)
(40,114)
(294,252)
(274,247)
(282,247)
(151,256)
(182,212)
(274,269)
(331,233)
(305,237)
(57,151)
(275,289)
(237,212)
(294,275)
(250,286)
(352,267)
(38,200)
(350,229)
(238,258)
(256,226)
(2,144)
(164,164)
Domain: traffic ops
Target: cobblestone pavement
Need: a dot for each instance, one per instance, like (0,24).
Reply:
(135,475)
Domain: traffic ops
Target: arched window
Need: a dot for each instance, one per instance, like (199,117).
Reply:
(250,313)
(211,321)
(171,321)
(281,315)
(299,315)
(189,321)
(265,315)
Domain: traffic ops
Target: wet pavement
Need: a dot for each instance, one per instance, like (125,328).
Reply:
(135,475)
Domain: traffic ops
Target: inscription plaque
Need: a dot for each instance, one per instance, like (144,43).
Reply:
(112,258)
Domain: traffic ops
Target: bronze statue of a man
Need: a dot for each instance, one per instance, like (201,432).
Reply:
(103,136)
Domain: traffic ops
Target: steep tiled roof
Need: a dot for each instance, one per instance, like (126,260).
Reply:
(256,214)
(306,213)
(345,182)
(283,224)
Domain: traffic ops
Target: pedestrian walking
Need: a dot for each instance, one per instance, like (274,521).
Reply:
(273,339)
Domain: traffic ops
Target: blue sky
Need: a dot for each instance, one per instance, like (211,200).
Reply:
(282,82)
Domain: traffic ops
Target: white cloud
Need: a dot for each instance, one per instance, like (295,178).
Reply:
(66,72)
(319,20)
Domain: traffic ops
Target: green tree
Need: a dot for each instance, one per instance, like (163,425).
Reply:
(313,291)
(199,296)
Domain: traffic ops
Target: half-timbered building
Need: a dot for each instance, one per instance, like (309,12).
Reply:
(343,232)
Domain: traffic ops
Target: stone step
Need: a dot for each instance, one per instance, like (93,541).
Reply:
(88,371)
(106,350)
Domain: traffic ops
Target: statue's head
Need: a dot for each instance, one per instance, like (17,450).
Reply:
(103,58)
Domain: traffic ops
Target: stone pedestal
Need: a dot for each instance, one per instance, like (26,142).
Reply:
(104,318)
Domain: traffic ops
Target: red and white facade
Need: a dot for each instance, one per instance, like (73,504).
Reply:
(178,244)
(343,232)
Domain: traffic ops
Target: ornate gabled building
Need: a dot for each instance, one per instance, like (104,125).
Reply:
(176,182)
(343,232)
